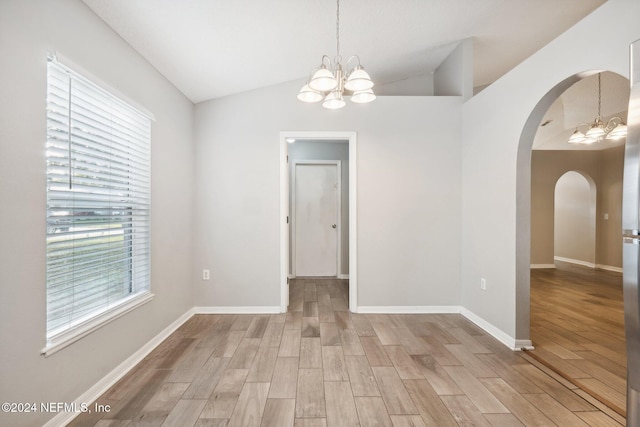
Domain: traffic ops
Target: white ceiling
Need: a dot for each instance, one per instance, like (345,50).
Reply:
(213,48)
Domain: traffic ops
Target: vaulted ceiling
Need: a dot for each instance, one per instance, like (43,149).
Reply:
(213,48)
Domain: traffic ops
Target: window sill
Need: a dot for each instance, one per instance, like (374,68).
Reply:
(68,337)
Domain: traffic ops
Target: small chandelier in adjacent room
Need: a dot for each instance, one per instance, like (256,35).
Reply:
(615,128)
(329,82)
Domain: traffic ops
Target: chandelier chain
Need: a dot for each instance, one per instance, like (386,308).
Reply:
(337,28)
(599,96)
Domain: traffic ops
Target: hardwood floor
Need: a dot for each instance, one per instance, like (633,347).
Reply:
(577,329)
(321,366)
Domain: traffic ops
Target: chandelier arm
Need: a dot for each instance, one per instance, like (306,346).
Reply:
(329,64)
(612,123)
(587,125)
(356,57)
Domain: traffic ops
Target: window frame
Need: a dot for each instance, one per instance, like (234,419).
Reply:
(77,327)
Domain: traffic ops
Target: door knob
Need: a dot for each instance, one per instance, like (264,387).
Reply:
(333,226)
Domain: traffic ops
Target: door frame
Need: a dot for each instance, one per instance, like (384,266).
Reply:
(338,165)
(351,138)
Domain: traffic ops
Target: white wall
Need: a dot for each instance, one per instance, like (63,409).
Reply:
(28,29)
(421,85)
(455,75)
(496,154)
(408,189)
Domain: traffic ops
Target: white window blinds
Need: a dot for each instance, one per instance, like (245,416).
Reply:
(98,201)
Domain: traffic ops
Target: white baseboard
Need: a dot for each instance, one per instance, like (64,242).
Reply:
(63,418)
(424,309)
(575,261)
(291,276)
(609,268)
(524,345)
(343,276)
(497,333)
(238,310)
(535,266)
(589,264)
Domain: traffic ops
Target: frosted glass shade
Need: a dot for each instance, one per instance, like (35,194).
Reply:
(358,80)
(333,101)
(596,132)
(307,94)
(323,80)
(363,96)
(577,137)
(618,132)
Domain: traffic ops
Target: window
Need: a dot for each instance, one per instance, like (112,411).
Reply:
(98,203)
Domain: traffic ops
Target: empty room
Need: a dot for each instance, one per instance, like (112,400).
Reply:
(319,213)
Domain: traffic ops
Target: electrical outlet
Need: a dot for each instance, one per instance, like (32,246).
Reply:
(483,284)
(205,275)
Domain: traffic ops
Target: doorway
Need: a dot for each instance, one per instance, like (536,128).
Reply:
(345,255)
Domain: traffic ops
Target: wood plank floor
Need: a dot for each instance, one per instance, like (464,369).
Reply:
(577,329)
(321,366)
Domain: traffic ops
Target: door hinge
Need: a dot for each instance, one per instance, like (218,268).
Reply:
(287,219)
(287,159)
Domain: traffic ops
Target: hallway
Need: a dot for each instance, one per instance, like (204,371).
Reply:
(321,366)
(577,329)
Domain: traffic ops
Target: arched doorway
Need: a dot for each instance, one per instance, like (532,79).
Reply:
(574,223)
(523,198)
(586,251)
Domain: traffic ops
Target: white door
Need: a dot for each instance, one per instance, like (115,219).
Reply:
(316,216)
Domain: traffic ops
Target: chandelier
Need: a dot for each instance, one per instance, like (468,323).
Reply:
(614,130)
(330,83)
